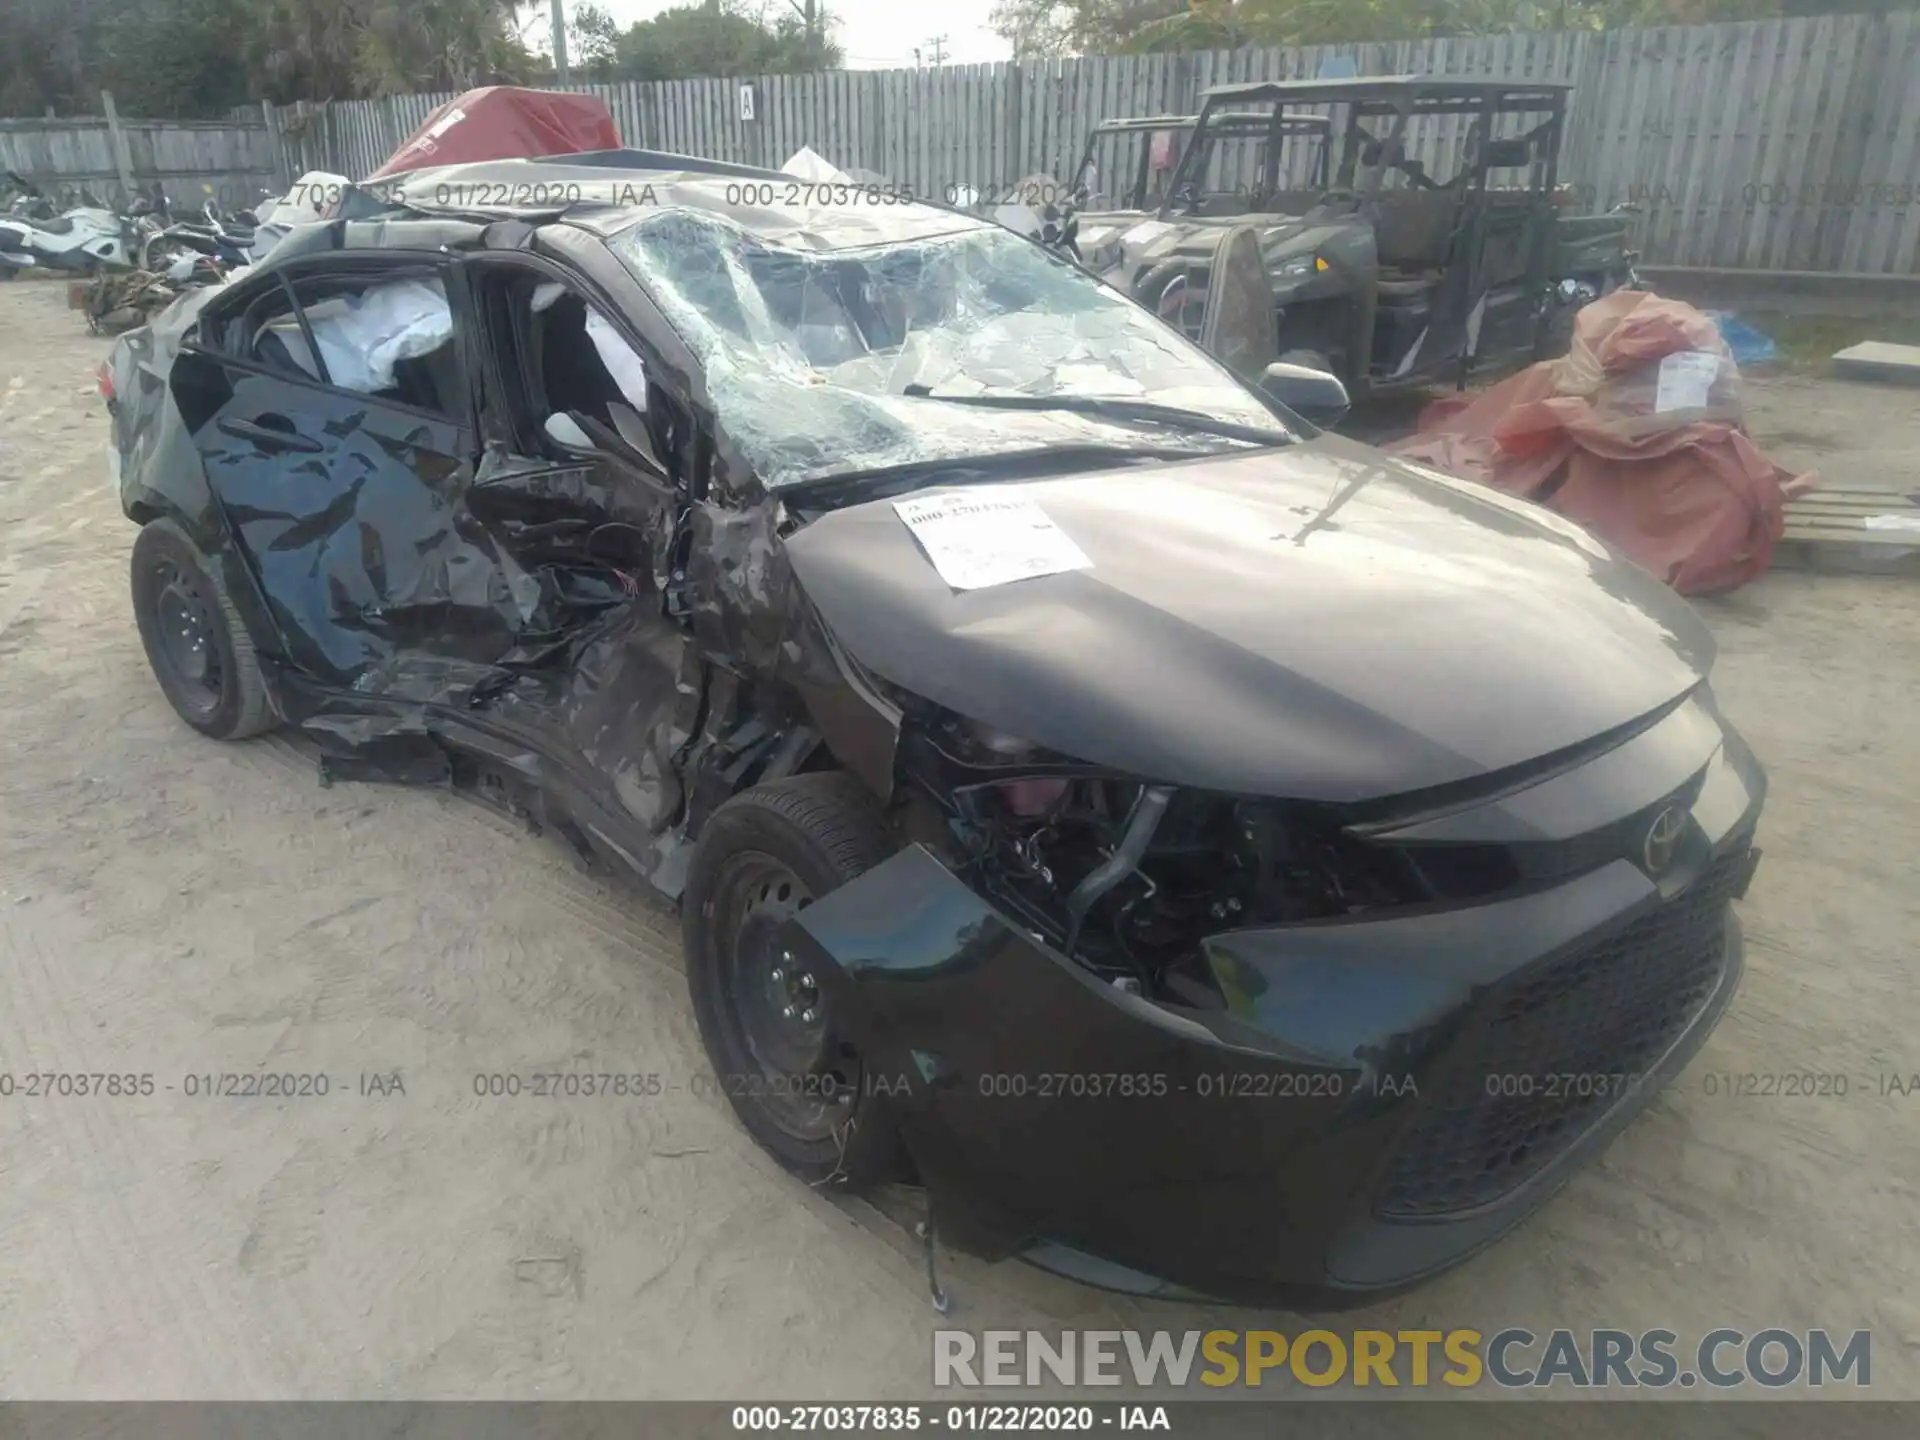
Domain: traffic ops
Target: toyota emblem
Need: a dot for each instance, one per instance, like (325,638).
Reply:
(1663,838)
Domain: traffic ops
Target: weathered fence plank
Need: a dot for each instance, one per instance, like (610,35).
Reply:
(1779,144)
(190,161)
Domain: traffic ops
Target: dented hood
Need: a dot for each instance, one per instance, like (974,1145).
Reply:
(1317,622)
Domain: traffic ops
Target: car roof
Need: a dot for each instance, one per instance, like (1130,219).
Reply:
(607,191)
(1381,87)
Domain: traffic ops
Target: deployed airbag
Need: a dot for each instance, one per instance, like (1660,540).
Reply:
(363,337)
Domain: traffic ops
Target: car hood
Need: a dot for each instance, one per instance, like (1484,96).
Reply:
(1318,622)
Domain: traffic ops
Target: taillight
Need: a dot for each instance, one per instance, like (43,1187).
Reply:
(104,378)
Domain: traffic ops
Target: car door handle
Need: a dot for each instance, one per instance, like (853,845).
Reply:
(271,433)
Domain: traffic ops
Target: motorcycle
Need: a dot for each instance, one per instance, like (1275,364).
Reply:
(86,239)
(26,199)
(225,238)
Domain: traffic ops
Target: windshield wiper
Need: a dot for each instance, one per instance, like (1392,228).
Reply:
(1112,409)
(1041,462)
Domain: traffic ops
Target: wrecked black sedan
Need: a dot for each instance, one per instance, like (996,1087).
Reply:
(1210,857)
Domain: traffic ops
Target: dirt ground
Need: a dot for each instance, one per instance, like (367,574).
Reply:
(178,907)
(1861,437)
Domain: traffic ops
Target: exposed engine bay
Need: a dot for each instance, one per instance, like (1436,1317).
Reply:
(1125,877)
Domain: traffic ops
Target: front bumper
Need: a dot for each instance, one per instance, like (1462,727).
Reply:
(1379,1099)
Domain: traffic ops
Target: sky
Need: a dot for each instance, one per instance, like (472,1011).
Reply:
(880,34)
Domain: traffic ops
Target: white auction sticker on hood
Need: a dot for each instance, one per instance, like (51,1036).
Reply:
(975,541)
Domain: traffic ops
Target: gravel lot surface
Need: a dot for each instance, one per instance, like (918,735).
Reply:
(179,907)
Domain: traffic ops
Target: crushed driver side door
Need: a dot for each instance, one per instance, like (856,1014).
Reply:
(591,508)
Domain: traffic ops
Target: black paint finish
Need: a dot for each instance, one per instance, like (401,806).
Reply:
(613,651)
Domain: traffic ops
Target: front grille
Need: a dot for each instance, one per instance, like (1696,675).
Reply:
(1556,1045)
(1458,871)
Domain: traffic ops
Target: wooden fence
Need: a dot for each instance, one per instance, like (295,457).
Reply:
(190,160)
(1774,145)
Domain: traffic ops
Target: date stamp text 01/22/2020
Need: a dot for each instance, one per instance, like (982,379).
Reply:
(390,1082)
(199,1084)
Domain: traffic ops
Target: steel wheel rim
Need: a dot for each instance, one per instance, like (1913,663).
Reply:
(188,641)
(802,1073)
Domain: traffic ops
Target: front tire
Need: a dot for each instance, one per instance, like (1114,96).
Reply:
(793,1078)
(196,642)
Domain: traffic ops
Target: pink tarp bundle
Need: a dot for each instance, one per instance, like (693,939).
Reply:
(505,122)
(1637,435)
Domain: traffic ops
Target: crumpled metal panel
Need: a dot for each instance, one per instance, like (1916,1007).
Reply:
(739,588)
(1234,1152)
(1314,622)
(355,567)
(415,608)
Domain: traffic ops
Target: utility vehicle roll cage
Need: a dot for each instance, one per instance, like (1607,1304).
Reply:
(1370,149)
(1273,127)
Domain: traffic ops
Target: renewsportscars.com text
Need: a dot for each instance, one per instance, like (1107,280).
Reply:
(1510,1359)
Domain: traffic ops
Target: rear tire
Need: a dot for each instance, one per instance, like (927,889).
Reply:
(196,642)
(792,1077)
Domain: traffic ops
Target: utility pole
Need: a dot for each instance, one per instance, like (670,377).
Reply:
(935,51)
(560,40)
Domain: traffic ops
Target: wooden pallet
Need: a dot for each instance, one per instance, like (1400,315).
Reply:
(1876,360)
(1827,530)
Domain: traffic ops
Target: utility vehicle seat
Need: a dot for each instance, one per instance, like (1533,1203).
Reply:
(1413,229)
(1406,289)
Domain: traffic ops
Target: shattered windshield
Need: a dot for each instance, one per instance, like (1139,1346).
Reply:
(825,362)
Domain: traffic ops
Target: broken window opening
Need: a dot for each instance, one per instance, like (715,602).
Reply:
(387,336)
(575,382)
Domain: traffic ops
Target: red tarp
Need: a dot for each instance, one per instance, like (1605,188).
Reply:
(1648,453)
(503,122)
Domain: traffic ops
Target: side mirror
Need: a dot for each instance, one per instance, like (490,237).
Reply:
(1312,394)
(1061,234)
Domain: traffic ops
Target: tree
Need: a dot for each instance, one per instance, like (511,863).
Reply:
(407,45)
(177,57)
(592,36)
(1063,27)
(189,58)
(727,38)
(1039,28)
